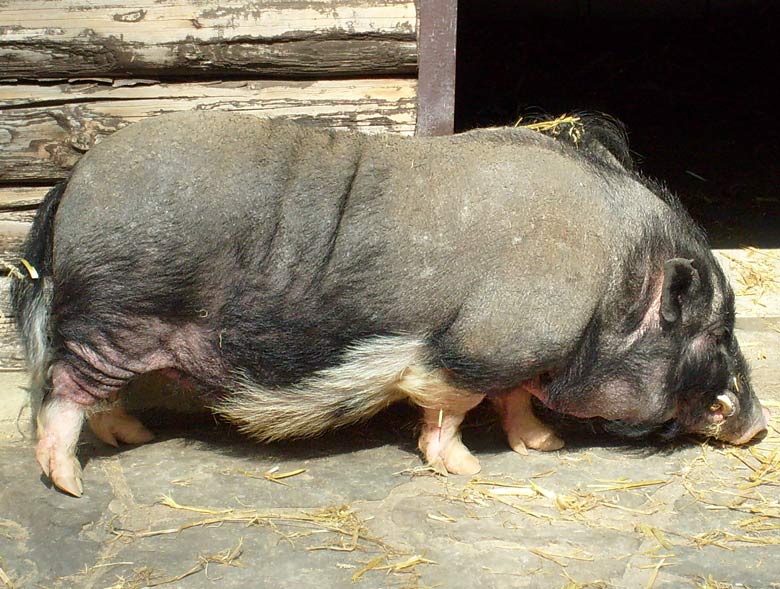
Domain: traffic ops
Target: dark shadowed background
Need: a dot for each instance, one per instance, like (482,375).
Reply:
(691,81)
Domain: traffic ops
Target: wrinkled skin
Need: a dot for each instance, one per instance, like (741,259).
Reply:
(315,276)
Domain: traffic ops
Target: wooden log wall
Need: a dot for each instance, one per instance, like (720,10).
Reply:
(286,39)
(74,71)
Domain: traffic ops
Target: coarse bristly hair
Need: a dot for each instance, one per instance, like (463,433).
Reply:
(599,137)
(361,385)
(31,297)
(372,374)
(297,358)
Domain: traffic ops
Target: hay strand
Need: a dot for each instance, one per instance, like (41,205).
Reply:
(30,269)
(380,564)
(755,273)
(5,579)
(571,125)
(13,269)
(624,484)
(655,534)
(340,521)
(654,575)
(145,576)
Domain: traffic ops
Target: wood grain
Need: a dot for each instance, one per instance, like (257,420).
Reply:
(21,197)
(11,354)
(276,38)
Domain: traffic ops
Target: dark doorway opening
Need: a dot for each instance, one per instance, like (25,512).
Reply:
(691,81)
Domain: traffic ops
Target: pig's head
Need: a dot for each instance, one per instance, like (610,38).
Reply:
(709,378)
(673,367)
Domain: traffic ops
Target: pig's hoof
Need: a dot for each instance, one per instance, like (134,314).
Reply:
(115,425)
(543,439)
(546,441)
(460,461)
(62,467)
(455,459)
(437,466)
(518,446)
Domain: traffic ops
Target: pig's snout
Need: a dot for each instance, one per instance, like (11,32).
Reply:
(759,425)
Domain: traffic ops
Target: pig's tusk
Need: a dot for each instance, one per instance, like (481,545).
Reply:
(727,405)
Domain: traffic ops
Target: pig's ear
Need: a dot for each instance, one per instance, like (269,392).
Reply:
(680,281)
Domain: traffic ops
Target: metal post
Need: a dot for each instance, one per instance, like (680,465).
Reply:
(436,43)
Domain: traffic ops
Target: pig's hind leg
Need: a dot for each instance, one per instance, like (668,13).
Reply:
(115,425)
(441,443)
(59,427)
(522,427)
(74,394)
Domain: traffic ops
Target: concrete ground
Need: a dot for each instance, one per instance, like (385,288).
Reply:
(202,507)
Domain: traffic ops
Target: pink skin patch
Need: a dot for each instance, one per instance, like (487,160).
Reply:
(180,379)
(717,417)
(652,319)
(66,383)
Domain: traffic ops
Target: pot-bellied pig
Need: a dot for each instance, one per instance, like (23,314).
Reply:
(313,277)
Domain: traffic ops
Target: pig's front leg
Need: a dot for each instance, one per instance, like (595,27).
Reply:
(444,406)
(440,438)
(522,427)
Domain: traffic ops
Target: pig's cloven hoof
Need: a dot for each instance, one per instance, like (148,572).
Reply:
(523,429)
(450,457)
(62,467)
(541,439)
(458,459)
(115,425)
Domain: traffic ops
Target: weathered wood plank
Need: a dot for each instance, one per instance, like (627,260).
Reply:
(12,234)
(278,38)
(21,197)
(17,215)
(11,354)
(14,226)
(17,209)
(45,129)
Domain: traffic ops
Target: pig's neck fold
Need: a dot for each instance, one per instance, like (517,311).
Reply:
(652,316)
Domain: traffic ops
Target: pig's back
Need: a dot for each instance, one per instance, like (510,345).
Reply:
(200,181)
